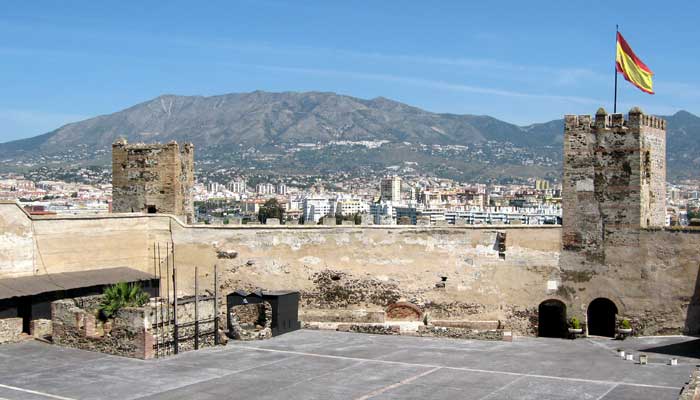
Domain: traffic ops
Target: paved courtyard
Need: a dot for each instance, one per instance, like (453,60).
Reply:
(334,365)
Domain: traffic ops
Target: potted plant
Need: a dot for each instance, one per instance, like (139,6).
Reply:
(575,326)
(625,328)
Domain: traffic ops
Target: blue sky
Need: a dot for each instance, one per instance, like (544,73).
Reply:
(521,61)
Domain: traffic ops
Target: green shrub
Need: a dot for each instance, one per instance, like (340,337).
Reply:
(122,295)
(574,323)
(625,324)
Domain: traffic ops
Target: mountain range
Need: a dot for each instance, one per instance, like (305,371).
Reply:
(274,123)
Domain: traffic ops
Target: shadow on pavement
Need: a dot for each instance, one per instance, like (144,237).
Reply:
(688,349)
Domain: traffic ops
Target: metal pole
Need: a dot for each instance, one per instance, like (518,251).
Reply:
(196,310)
(216,306)
(175,328)
(615,102)
(167,284)
(156,266)
(160,300)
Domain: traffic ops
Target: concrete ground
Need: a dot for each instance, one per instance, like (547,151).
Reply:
(333,365)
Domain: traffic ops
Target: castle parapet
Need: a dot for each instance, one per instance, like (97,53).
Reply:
(603,120)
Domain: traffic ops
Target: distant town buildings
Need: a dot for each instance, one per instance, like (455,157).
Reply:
(144,174)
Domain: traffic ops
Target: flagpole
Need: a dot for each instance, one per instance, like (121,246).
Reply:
(615,69)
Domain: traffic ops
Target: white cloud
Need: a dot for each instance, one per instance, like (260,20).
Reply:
(433,84)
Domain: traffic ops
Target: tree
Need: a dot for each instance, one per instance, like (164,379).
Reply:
(693,213)
(271,209)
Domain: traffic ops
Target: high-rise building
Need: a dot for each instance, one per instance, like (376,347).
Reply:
(541,184)
(281,189)
(265,188)
(390,188)
(238,185)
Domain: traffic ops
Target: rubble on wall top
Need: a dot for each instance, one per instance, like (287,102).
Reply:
(602,119)
(122,142)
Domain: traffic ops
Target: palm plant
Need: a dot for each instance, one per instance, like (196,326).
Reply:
(122,295)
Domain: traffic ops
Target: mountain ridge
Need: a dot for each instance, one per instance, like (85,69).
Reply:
(281,120)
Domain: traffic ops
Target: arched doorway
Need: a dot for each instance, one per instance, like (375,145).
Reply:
(552,319)
(601,317)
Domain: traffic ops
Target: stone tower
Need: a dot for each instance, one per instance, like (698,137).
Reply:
(614,180)
(153,178)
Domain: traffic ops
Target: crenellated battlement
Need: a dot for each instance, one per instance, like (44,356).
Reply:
(603,120)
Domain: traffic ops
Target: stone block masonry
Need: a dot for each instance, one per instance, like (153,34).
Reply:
(153,178)
(10,330)
(132,332)
(75,325)
(614,180)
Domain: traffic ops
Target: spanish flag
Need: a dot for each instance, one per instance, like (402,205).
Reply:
(632,68)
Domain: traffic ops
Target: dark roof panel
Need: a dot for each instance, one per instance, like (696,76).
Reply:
(37,284)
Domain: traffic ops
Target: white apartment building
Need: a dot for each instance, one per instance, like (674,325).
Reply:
(265,188)
(351,206)
(215,187)
(316,208)
(238,185)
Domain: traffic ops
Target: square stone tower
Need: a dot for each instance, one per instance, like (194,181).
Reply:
(614,180)
(153,178)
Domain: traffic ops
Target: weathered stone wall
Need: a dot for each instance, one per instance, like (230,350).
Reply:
(160,176)
(53,244)
(16,241)
(691,390)
(186,319)
(342,269)
(614,181)
(614,244)
(75,324)
(251,321)
(10,330)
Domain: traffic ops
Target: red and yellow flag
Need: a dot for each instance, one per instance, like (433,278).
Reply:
(632,68)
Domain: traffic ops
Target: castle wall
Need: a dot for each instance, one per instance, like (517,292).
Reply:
(49,244)
(356,270)
(16,241)
(335,267)
(654,284)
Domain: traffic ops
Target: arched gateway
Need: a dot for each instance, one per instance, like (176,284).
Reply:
(601,317)
(552,319)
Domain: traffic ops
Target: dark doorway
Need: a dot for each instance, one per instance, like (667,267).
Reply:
(601,317)
(24,311)
(151,209)
(552,319)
